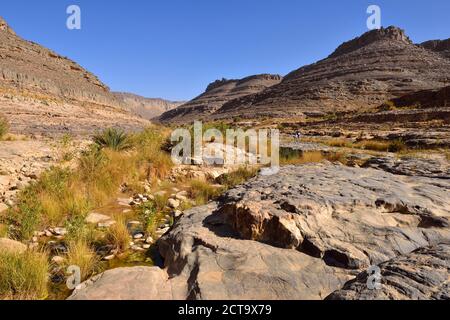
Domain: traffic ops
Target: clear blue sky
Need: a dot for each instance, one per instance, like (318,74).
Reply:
(174,48)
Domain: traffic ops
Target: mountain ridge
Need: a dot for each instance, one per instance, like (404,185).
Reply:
(360,74)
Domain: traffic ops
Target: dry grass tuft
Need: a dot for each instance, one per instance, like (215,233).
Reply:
(23,276)
(118,235)
(80,254)
(4,126)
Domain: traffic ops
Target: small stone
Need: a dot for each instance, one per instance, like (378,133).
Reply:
(162,231)
(137,248)
(174,204)
(109,258)
(146,246)
(35,239)
(138,236)
(58,260)
(177,214)
(12,246)
(149,240)
(48,233)
(95,218)
(181,198)
(60,231)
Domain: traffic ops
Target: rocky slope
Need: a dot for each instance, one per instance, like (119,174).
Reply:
(440,46)
(42,92)
(216,95)
(147,108)
(362,73)
(294,235)
(27,65)
(359,75)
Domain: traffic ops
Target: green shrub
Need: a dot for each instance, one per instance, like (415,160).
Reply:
(397,146)
(114,139)
(148,215)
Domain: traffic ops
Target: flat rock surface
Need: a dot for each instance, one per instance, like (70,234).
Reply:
(138,283)
(420,275)
(295,235)
(409,166)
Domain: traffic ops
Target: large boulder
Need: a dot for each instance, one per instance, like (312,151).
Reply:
(349,217)
(138,283)
(11,246)
(298,234)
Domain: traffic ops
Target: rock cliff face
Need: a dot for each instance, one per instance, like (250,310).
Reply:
(147,108)
(27,65)
(216,95)
(295,235)
(43,93)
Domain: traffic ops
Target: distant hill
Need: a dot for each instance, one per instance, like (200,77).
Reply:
(440,46)
(216,95)
(359,75)
(146,108)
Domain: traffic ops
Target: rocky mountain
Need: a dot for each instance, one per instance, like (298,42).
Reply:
(359,74)
(29,66)
(216,95)
(440,46)
(42,92)
(147,108)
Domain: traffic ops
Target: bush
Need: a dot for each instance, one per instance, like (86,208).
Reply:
(397,146)
(202,191)
(114,139)
(81,255)
(118,236)
(23,275)
(237,177)
(4,126)
(148,214)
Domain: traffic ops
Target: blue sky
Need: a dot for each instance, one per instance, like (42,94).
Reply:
(174,48)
